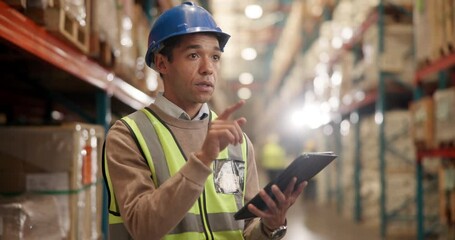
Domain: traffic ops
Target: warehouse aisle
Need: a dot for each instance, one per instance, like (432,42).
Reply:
(309,220)
(314,221)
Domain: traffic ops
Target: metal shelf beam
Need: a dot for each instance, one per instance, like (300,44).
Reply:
(27,35)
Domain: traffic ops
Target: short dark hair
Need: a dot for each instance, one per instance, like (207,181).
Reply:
(169,45)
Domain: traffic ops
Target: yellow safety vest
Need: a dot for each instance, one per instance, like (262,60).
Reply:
(211,217)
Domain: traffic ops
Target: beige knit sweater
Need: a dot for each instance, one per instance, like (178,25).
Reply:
(149,212)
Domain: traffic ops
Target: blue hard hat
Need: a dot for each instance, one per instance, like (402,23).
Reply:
(180,20)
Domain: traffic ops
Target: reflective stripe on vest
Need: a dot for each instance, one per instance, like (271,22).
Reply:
(216,220)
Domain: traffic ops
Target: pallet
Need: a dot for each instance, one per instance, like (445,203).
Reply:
(102,51)
(60,23)
(447,144)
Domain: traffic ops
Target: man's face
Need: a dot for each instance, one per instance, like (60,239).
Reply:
(189,80)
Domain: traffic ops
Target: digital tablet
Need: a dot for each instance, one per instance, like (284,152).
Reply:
(304,167)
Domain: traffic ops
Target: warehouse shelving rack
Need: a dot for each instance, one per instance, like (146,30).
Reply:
(440,67)
(17,31)
(375,100)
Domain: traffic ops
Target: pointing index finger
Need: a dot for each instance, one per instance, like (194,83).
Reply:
(227,113)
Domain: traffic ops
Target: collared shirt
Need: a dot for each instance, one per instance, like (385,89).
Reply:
(175,111)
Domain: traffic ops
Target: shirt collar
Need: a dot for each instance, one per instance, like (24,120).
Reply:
(170,108)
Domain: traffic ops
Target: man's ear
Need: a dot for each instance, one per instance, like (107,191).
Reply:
(160,63)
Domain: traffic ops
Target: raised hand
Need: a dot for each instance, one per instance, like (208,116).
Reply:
(222,132)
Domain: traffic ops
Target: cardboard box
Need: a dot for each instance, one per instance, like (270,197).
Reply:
(444,102)
(71,151)
(422,122)
(13,174)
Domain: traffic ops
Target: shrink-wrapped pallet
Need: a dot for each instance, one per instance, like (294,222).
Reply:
(72,150)
(61,161)
(399,170)
(31,217)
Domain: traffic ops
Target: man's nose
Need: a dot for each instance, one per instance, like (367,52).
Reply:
(207,66)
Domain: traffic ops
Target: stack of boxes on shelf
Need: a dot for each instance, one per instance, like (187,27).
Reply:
(399,170)
(433,115)
(50,182)
(433,119)
(397,56)
(435,24)
(112,33)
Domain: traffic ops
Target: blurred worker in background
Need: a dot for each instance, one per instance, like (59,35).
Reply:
(274,159)
(176,170)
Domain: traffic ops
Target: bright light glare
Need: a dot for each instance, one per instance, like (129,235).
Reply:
(347,99)
(378,118)
(354,117)
(334,102)
(244,93)
(297,119)
(337,42)
(253,11)
(152,81)
(310,116)
(327,130)
(246,78)
(347,33)
(359,96)
(249,54)
(56,115)
(336,78)
(345,127)
(127,24)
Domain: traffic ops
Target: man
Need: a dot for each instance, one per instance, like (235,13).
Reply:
(273,157)
(175,170)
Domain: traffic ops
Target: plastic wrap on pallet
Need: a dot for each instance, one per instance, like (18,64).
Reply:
(399,169)
(52,214)
(31,217)
(70,152)
(106,22)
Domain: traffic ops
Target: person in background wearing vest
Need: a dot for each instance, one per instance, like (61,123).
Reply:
(176,170)
(273,157)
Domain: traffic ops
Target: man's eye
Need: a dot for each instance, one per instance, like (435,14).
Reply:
(216,57)
(193,55)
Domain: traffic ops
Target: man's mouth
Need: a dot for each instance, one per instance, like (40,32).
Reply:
(205,85)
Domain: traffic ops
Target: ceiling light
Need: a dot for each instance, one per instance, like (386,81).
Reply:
(249,54)
(244,93)
(246,78)
(253,11)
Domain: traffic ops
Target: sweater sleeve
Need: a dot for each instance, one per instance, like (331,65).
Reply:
(149,212)
(252,229)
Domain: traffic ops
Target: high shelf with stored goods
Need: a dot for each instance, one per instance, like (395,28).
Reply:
(441,68)
(44,73)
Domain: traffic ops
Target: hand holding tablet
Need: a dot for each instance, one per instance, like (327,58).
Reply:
(304,167)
